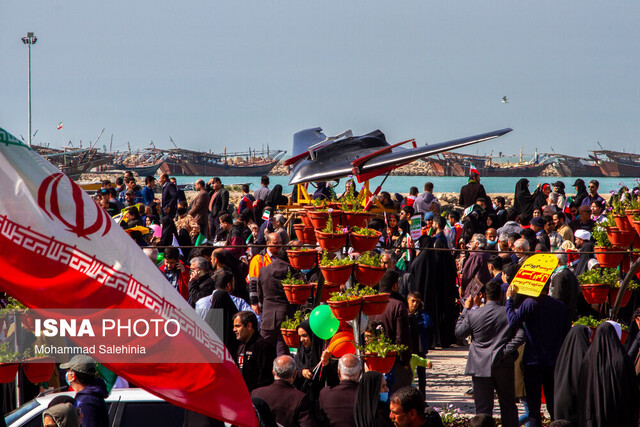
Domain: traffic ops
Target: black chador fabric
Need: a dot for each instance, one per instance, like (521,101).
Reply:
(607,390)
(434,272)
(567,373)
(524,200)
(368,410)
(308,358)
(222,300)
(581,192)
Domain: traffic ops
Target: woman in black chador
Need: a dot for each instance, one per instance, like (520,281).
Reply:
(607,390)
(567,373)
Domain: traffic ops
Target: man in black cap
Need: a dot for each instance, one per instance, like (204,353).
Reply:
(90,390)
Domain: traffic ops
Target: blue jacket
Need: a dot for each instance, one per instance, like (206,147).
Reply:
(546,324)
(90,401)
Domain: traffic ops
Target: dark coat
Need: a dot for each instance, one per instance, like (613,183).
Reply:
(337,403)
(255,361)
(470,192)
(220,204)
(395,321)
(494,341)
(275,307)
(169,199)
(200,209)
(199,288)
(90,401)
(476,264)
(290,407)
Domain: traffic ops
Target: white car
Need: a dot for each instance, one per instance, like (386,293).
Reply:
(127,407)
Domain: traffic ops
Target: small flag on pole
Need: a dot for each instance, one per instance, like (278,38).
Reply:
(59,125)
(473,169)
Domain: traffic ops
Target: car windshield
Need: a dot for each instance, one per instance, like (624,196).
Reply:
(14,415)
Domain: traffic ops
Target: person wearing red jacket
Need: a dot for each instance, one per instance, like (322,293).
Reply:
(176,272)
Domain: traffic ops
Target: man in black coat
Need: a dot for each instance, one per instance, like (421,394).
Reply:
(395,321)
(336,403)
(218,205)
(169,202)
(273,302)
(470,192)
(491,354)
(289,406)
(255,355)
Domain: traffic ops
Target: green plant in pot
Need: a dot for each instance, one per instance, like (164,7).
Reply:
(345,305)
(289,328)
(595,285)
(327,261)
(295,289)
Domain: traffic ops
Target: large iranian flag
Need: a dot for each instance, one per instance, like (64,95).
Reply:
(59,250)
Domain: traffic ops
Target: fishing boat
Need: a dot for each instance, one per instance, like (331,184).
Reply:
(143,163)
(73,161)
(566,165)
(197,163)
(458,164)
(617,163)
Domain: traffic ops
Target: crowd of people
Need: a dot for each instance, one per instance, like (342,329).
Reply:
(450,287)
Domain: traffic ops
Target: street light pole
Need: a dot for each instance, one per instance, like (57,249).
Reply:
(29,40)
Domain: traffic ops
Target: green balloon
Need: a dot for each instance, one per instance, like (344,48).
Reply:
(323,323)
(160,259)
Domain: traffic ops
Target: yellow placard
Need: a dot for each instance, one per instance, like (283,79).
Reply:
(534,273)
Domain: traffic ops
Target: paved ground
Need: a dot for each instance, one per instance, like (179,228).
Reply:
(447,384)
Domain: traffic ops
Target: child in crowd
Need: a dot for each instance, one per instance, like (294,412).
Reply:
(421,327)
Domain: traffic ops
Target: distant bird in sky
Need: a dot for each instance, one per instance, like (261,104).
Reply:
(505,100)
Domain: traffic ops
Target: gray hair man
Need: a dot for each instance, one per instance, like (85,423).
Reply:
(289,406)
(337,402)
(476,265)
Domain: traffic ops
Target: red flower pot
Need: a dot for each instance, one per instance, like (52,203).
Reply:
(622,222)
(620,238)
(327,290)
(623,336)
(605,259)
(331,242)
(302,260)
(8,372)
(613,294)
(595,293)
(38,370)
(319,219)
(339,274)
(346,310)
(297,294)
(305,234)
(305,219)
(630,213)
(374,304)
(291,338)
(636,226)
(362,243)
(380,364)
(368,275)
(356,219)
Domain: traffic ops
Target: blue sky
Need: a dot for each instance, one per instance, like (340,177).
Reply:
(215,74)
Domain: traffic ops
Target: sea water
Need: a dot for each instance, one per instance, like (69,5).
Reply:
(441,184)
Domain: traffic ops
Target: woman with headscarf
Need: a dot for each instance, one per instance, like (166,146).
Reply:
(276,198)
(607,389)
(372,401)
(541,194)
(223,259)
(312,362)
(323,192)
(393,230)
(349,190)
(523,200)
(581,191)
(567,373)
